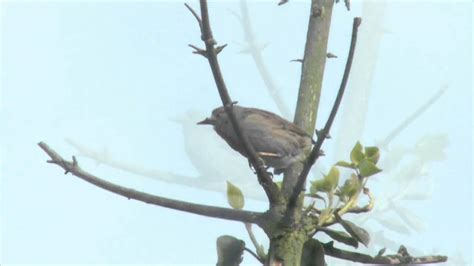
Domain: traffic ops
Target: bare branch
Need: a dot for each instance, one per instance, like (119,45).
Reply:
(315,153)
(401,258)
(264,178)
(348,4)
(200,182)
(205,210)
(198,50)
(418,112)
(195,15)
(255,51)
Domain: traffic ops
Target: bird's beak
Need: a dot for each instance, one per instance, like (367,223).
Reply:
(207,121)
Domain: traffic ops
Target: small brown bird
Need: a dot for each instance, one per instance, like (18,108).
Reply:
(277,141)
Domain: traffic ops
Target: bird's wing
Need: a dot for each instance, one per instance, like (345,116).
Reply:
(270,140)
(275,120)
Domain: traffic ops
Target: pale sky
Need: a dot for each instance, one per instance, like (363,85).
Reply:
(114,76)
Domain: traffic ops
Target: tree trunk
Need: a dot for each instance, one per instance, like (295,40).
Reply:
(312,73)
(286,245)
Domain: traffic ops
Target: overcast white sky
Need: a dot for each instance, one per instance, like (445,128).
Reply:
(114,76)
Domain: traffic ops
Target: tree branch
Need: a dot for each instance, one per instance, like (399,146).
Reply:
(405,123)
(200,182)
(322,135)
(205,210)
(264,178)
(402,257)
(255,50)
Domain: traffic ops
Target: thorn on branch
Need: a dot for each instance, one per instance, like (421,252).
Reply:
(348,4)
(321,153)
(282,2)
(331,55)
(195,15)
(220,48)
(231,104)
(198,50)
(321,134)
(74,161)
(297,60)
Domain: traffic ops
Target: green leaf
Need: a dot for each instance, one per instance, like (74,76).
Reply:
(319,186)
(368,168)
(346,164)
(355,231)
(327,184)
(235,198)
(356,154)
(350,187)
(332,178)
(373,154)
(341,236)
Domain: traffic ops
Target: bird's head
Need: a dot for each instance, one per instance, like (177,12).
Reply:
(218,115)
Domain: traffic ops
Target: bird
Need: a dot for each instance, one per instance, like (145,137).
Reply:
(277,141)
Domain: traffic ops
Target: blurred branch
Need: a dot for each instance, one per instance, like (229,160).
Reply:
(211,52)
(103,158)
(205,210)
(401,258)
(410,119)
(199,182)
(316,152)
(255,50)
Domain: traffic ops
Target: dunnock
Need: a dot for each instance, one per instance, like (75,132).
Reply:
(277,141)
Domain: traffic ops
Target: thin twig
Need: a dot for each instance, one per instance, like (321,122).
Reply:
(315,153)
(254,254)
(264,178)
(401,258)
(255,243)
(205,210)
(195,15)
(256,52)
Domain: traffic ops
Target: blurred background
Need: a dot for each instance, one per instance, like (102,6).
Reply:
(114,83)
